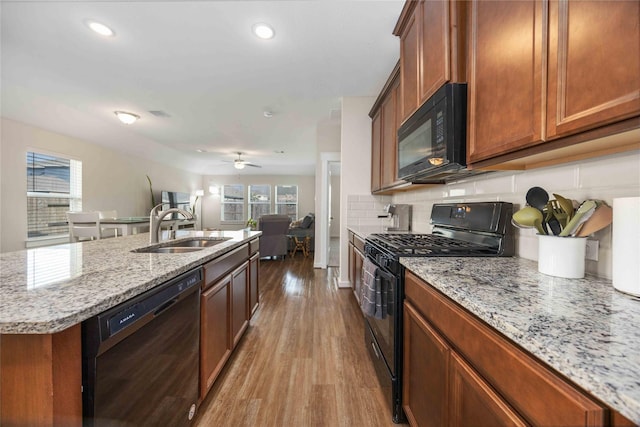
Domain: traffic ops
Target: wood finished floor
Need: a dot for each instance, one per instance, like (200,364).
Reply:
(303,361)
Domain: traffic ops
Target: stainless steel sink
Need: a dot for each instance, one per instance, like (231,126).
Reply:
(183,246)
(199,243)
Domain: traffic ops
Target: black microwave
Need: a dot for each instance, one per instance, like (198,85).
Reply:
(432,142)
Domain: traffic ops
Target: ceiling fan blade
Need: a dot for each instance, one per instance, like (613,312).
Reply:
(252,165)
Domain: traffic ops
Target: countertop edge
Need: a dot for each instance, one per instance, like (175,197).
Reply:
(57,322)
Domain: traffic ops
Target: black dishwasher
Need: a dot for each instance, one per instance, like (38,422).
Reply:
(140,358)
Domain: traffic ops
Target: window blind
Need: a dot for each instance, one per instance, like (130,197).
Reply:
(54,187)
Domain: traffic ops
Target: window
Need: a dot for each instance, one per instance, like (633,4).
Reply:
(287,200)
(232,202)
(54,187)
(259,200)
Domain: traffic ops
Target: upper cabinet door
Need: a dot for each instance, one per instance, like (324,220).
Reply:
(376,149)
(410,66)
(434,16)
(594,64)
(431,49)
(389,149)
(506,75)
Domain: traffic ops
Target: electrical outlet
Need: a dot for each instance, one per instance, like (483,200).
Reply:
(592,250)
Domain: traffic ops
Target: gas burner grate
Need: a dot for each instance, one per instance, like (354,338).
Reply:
(426,245)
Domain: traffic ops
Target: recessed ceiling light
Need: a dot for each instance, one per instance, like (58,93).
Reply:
(200,150)
(263,31)
(101,29)
(126,118)
(268,114)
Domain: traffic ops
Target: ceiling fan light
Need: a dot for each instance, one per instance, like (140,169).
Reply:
(238,165)
(126,118)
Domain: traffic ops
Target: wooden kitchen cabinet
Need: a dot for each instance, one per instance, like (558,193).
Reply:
(594,64)
(376,152)
(384,136)
(239,302)
(542,71)
(474,402)
(505,76)
(225,308)
(356,261)
(431,50)
(427,356)
(254,280)
(485,377)
(215,332)
(41,379)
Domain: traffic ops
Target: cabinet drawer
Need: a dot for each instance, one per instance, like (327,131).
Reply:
(528,385)
(254,246)
(217,268)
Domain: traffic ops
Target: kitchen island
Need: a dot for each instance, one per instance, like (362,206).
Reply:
(583,329)
(46,294)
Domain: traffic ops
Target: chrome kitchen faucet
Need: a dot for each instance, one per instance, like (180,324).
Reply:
(155,220)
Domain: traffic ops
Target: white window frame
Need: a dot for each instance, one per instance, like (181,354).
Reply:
(238,203)
(258,202)
(74,196)
(287,203)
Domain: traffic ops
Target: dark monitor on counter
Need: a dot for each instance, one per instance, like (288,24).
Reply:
(175,199)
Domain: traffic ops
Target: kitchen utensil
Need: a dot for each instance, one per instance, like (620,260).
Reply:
(602,216)
(582,214)
(538,198)
(558,212)
(529,217)
(566,205)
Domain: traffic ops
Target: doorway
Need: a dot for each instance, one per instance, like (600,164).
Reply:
(333,254)
(323,204)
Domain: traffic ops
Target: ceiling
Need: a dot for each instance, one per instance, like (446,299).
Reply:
(198,62)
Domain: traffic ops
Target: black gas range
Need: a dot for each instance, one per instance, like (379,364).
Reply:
(459,229)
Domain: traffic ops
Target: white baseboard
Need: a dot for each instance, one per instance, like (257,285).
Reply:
(344,284)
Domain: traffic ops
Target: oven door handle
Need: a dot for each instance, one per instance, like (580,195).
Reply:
(388,277)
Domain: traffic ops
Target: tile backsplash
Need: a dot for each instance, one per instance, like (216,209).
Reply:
(604,178)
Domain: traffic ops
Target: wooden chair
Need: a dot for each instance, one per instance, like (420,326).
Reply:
(105,229)
(84,225)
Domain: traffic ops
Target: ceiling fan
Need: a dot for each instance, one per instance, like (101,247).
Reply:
(240,164)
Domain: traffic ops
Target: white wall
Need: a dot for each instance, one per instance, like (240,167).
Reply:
(327,142)
(334,230)
(355,161)
(211,204)
(604,178)
(111,180)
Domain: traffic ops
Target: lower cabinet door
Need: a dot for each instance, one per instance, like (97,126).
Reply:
(239,302)
(425,375)
(254,280)
(474,403)
(215,340)
(358,260)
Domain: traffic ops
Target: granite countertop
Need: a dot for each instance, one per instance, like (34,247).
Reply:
(583,328)
(46,290)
